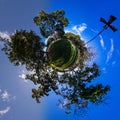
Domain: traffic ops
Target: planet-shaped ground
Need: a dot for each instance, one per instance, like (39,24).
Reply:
(62,54)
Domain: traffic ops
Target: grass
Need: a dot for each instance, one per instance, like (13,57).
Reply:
(62,54)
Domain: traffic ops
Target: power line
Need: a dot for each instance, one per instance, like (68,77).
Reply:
(107,24)
(95,36)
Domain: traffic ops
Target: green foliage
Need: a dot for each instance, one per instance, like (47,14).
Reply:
(74,38)
(24,48)
(94,93)
(51,23)
(62,54)
(84,53)
(77,89)
(75,85)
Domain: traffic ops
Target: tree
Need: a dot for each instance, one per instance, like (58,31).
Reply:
(51,23)
(78,90)
(74,85)
(24,48)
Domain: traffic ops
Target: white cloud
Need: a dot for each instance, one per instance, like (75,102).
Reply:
(102,42)
(4,35)
(104,70)
(110,53)
(67,31)
(95,31)
(114,62)
(79,28)
(5,96)
(101,39)
(23,76)
(63,103)
(4,111)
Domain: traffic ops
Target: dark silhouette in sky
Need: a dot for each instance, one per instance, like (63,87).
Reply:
(107,25)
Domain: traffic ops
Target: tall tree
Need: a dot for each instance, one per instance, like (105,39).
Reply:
(24,48)
(75,85)
(51,23)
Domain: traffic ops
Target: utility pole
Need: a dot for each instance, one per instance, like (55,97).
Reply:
(107,25)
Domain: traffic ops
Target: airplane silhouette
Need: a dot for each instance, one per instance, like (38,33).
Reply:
(108,24)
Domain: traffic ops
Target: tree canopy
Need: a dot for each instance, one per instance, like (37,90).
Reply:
(51,23)
(75,85)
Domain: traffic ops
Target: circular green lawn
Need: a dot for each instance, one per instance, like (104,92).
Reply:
(62,54)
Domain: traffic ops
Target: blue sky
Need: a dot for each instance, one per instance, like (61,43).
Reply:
(15,93)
